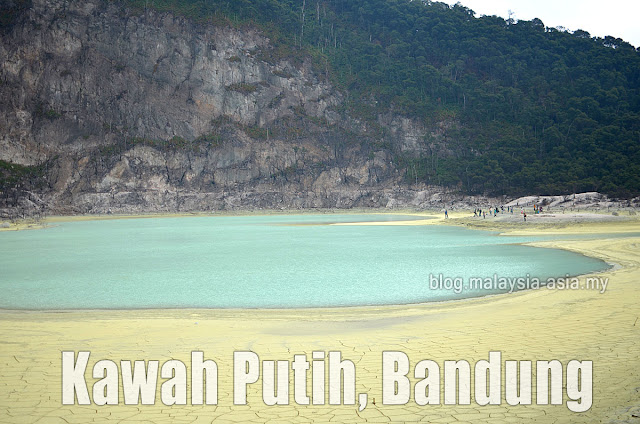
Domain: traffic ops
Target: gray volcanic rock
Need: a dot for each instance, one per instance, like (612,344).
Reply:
(145,111)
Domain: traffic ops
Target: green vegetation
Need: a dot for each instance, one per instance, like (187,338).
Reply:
(532,108)
(256,132)
(44,112)
(209,140)
(206,141)
(13,175)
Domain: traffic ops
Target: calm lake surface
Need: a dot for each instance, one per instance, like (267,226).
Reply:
(257,262)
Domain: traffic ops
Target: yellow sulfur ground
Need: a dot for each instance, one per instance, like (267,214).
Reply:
(533,325)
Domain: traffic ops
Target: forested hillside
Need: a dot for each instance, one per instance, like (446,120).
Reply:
(174,105)
(541,109)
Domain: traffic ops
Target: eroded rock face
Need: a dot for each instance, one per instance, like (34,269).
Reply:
(96,92)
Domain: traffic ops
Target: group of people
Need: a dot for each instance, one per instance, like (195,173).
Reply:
(492,211)
(509,209)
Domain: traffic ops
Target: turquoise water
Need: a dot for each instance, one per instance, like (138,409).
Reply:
(257,262)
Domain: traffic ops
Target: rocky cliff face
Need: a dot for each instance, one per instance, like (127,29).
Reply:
(143,111)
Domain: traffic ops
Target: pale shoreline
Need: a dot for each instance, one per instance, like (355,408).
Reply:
(504,218)
(34,224)
(527,325)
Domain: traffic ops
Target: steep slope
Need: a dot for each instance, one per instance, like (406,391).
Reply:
(153,112)
(136,105)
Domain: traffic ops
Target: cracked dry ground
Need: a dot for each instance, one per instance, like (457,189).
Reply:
(533,325)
